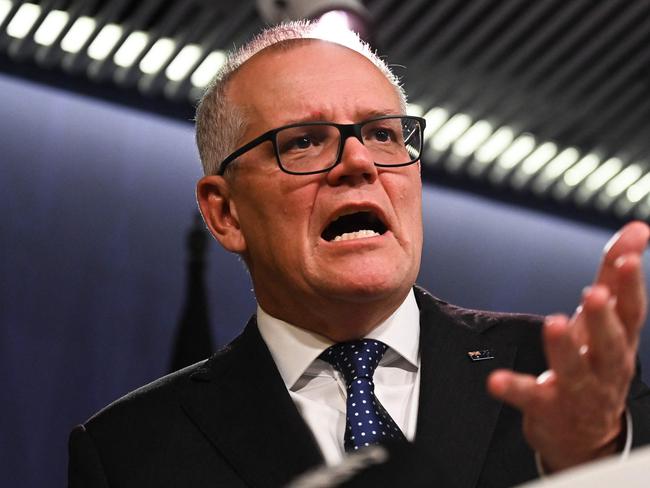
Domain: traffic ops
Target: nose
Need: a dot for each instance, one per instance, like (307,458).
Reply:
(356,166)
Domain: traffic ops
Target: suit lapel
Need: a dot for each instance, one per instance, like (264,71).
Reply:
(456,416)
(239,401)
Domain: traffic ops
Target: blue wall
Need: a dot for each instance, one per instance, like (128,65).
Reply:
(96,202)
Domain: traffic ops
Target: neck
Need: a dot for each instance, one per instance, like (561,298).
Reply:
(338,320)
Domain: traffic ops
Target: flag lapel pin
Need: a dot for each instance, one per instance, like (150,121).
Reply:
(480,355)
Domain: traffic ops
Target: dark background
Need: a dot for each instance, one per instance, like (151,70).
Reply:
(97,200)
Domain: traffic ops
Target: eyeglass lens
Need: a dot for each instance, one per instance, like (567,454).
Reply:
(390,141)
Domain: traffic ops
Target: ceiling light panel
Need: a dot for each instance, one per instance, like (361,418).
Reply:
(555,169)
(495,145)
(533,163)
(78,35)
(603,174)
(450,131)
(435,117)
(538,158)
(131,49)
(575,175)
(472,139)
(208,69)
(23,20)
(623,180)
(106,40)
(157,56)
(517,151)
(414,109)
(183,63)
(51,27)
(5,8)
(639,190)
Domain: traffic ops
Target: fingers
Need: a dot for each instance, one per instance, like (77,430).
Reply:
(519,390)
(621,272)
(562,352)
(631,301)
(631,239)
(608,342)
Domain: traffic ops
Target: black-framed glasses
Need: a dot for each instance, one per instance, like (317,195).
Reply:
(316,147)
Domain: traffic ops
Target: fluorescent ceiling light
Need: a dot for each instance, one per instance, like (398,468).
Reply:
(51,27)
(495,145)
(333,25)
(414,109)
(5,8)
(539,157)
(639,189)
(208,69)
(78,34)
(554,169)
(131,48)
(580,171)
(451,131)
(518,150)
(472,139)
(435,118)
(623,180)
(184,61)
(603,174)
(23,20)
(49,30)
(105,41)
(560,163)
(157,56)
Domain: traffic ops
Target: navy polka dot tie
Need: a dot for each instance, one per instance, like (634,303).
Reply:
(367,422)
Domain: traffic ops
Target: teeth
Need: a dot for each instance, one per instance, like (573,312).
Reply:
(360,234)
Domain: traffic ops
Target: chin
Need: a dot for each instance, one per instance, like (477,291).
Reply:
(369,287)
(364,275)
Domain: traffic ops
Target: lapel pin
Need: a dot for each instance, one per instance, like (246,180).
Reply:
(480,355)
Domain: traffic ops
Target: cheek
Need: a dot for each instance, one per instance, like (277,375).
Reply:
(413,195)
(409,201)
(296,203)
(408,205)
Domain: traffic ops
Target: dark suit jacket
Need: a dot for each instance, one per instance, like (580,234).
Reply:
(229,421)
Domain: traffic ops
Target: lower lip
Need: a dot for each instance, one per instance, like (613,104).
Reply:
(359,242)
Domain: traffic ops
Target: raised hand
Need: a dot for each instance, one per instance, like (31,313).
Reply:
(574,412)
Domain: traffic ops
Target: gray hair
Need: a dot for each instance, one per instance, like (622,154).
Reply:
(220,124)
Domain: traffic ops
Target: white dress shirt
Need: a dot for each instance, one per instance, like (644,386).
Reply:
(319,391)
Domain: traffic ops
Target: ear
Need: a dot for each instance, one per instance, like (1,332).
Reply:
(219,211)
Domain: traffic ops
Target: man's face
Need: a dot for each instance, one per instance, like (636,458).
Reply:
(286,221)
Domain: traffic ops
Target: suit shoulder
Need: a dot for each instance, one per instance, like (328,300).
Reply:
(160,398)
(159,392)
(517,324)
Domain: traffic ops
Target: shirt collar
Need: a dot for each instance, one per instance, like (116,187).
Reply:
(295,349)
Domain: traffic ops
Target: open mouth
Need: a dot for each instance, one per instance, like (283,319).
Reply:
(356,225)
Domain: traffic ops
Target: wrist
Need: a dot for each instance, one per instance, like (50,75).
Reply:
(619,442)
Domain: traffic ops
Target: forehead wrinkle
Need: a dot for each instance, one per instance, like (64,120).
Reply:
(328,115)
(314,115)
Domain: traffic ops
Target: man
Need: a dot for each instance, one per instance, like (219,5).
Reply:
(312,176)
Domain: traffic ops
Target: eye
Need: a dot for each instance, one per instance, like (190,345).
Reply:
(302,142)
(302,139)
(296,143)
(384,131)
(382,135)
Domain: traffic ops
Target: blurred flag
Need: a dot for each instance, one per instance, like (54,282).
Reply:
(193,336)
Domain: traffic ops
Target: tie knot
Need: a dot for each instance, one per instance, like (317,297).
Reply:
(355,359)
